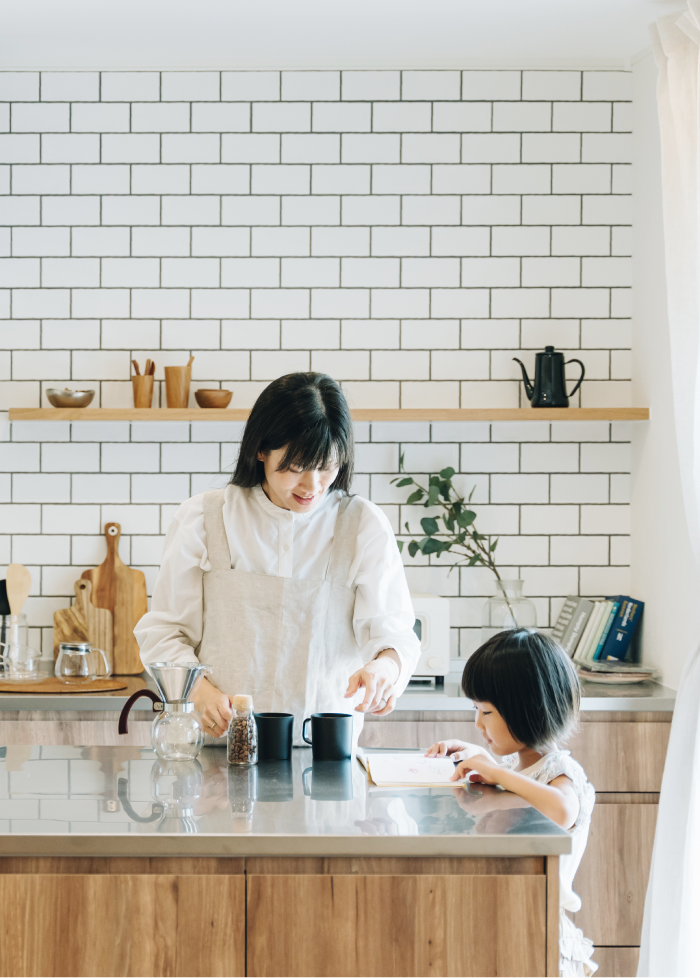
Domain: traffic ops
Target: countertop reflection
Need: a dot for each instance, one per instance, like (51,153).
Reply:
(109,800)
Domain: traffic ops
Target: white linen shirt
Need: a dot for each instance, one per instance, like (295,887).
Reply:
(267,539)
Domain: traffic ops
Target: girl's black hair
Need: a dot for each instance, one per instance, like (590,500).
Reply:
(530,681)
(307,413)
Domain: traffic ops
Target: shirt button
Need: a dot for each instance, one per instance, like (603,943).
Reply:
(286,547)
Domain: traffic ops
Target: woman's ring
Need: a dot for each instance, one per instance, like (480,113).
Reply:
(383,703)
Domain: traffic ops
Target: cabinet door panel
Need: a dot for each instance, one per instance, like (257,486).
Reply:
(416,734)
(122,925)
(614,872)
(622,756)
(386,925)
(617,961)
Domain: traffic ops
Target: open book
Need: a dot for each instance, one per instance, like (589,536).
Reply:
(407,769)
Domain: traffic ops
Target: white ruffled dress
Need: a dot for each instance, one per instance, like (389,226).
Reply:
(575,951)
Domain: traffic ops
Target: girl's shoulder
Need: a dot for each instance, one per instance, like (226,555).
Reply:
(560,763)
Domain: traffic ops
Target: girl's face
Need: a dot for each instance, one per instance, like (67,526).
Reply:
(494,729)
(294,489)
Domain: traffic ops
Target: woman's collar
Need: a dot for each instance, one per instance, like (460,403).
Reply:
(279,513)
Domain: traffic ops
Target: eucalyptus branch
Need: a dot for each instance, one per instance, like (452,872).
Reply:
(460,536)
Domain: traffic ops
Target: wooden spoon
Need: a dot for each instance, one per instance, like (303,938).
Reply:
(136,367)
(19,582)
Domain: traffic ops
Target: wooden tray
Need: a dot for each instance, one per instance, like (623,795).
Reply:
(50,685)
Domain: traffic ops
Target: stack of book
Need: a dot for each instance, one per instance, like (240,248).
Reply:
(598,635)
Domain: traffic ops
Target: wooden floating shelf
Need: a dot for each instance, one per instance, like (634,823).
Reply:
(359,415)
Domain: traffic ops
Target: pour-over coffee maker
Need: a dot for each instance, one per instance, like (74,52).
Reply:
(176,734)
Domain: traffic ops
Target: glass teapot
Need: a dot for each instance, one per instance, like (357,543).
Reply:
(176,734)
(78,663)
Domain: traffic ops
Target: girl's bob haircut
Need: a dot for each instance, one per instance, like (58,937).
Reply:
(530,681)
(307,413)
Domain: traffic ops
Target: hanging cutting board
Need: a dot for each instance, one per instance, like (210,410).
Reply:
(122,590)
(83,622)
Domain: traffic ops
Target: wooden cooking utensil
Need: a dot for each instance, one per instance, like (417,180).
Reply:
(177,385)
(18,582)
(143,390)
(122,590)
(83,622)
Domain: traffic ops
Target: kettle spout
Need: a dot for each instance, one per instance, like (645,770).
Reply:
(529,390)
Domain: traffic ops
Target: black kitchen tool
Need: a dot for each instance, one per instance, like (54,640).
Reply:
(4,613)
(331,736)
(549,389)
(274,735)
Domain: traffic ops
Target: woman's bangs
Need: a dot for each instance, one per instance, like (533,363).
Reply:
(316,449)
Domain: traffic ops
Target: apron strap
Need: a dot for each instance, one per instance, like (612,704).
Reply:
(344,539)
(217,542)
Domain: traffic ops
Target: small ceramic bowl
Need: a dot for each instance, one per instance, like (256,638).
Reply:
(65,398)
(213,397)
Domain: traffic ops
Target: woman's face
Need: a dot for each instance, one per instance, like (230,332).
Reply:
(494,729)
(294,489)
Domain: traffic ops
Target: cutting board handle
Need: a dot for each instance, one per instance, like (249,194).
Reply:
(113,533)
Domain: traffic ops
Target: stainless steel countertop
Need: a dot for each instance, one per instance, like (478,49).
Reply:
(648,696)
(108,801)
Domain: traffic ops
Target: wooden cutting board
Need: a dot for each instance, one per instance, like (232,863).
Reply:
(83,622)
(122,590)
(52,685)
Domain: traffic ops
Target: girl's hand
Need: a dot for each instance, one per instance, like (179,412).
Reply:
(214,707)
(482,767)
(377,677)
(448,747)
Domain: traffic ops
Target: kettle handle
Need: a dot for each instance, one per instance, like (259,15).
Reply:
(575,360)
(143,693)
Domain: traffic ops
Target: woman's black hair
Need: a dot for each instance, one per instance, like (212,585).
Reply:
(530,681)
(307,413)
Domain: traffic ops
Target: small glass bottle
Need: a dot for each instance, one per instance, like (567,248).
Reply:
(242,741)
(507,609)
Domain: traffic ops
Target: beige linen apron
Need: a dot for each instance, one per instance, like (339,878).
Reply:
(288,642)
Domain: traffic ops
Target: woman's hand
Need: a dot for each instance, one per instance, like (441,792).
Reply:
(378,678)
(482,767)
(214,707)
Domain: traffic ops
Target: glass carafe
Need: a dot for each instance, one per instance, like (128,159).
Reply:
(176,734)
(507,609)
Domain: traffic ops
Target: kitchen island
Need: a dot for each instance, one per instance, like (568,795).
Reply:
(115,864)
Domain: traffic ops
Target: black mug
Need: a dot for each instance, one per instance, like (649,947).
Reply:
(274,736)
(328,781)
(331,736)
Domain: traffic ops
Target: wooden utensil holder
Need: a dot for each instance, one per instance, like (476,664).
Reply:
(143,390)
(177,386)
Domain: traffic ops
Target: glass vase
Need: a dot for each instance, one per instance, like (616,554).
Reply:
(507,609)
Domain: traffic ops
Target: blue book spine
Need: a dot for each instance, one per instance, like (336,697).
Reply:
(620,636)
(606,629)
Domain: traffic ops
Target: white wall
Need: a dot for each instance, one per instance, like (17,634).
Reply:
(407,232)
(664,573)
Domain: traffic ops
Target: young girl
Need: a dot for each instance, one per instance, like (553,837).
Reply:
(526,694)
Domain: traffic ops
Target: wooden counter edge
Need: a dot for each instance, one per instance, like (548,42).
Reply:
(552,946)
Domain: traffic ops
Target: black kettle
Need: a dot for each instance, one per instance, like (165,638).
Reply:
(549,389)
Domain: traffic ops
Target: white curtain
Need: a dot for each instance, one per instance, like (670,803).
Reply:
(670,943)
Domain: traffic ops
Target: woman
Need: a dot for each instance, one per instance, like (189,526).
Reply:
(289,587)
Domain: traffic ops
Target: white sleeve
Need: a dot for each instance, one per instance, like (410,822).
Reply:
(383,614)
(172,630)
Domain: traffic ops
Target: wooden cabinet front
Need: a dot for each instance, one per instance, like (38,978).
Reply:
(612,879)
(107,925)
(396,925)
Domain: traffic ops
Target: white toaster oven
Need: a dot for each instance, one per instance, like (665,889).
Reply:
(432,627)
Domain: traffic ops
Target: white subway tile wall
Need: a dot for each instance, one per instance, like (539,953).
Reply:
(407,232)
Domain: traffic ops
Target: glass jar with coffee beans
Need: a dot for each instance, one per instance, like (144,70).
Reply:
(242,741)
